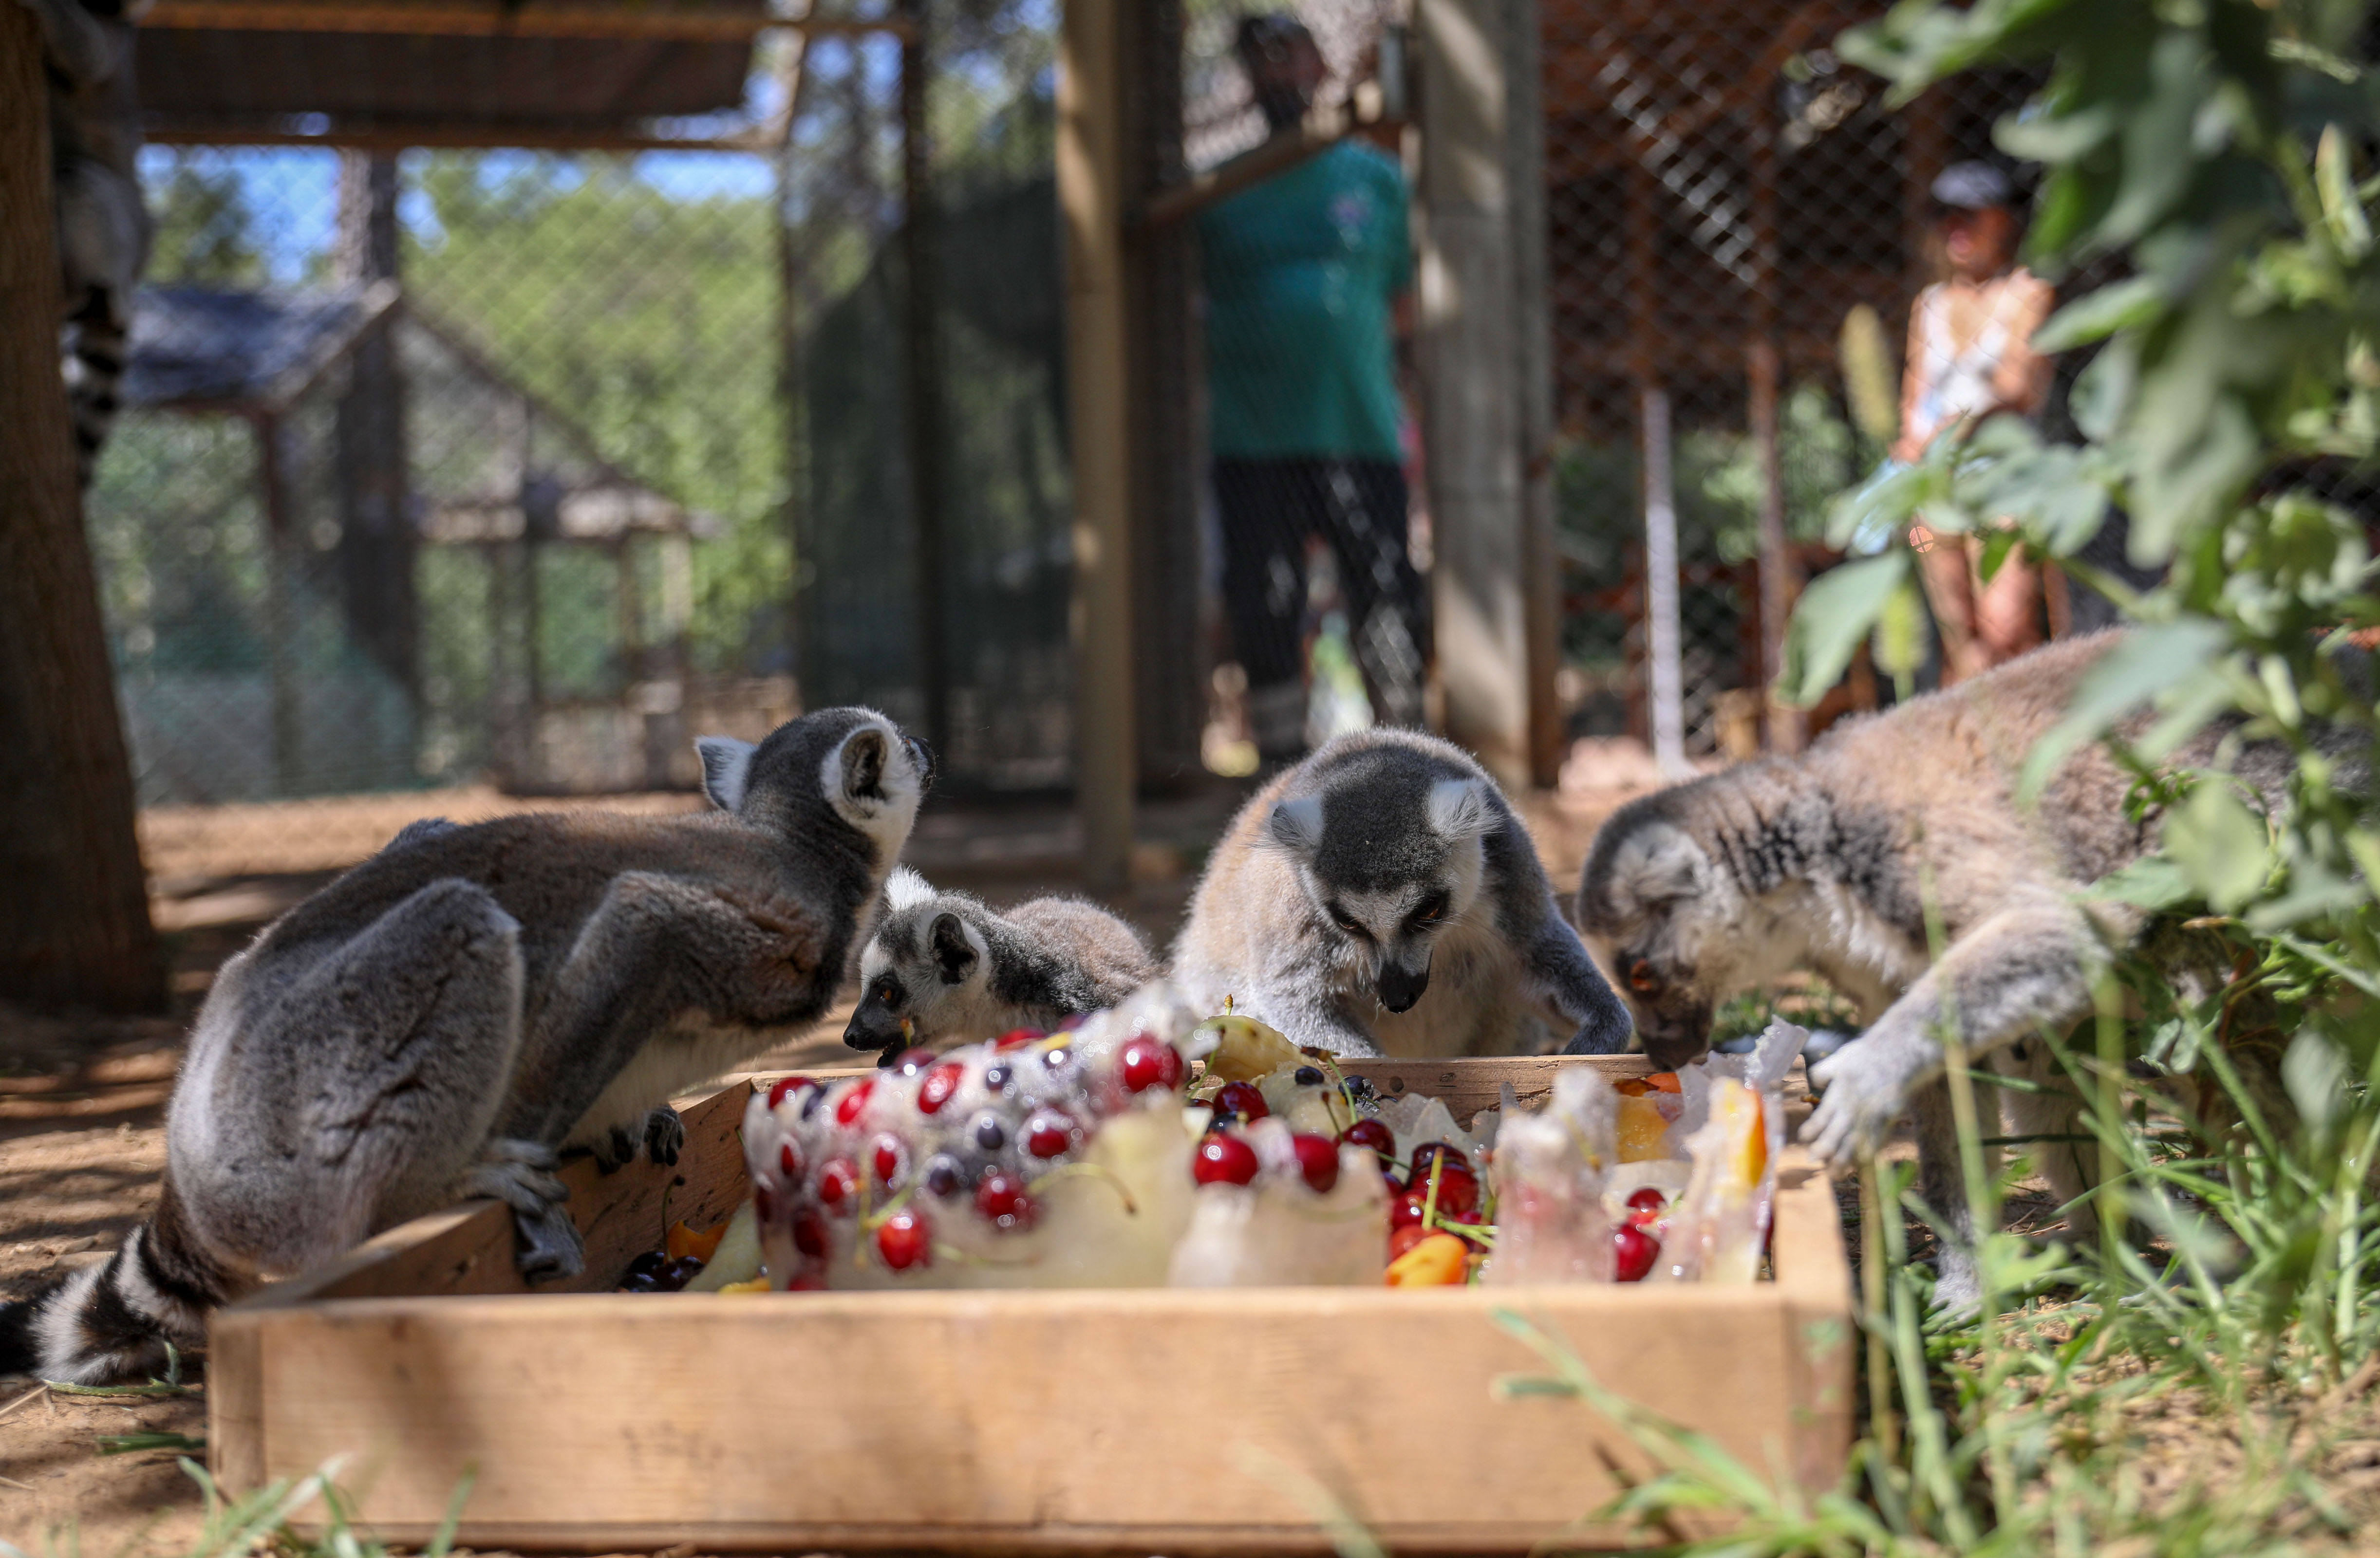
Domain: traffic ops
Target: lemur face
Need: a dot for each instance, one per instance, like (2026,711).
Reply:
(916,970)
(1666,921)
(1392,894)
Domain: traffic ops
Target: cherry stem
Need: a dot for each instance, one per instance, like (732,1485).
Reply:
(1092,1170)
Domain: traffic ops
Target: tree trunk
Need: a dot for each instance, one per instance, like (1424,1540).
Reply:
(74,906)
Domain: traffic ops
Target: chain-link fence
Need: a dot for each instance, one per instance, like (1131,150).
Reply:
(505,408)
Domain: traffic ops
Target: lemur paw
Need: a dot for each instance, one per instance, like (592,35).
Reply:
(520,1174)
(664,1136)
(1865,1090)
(617,1152)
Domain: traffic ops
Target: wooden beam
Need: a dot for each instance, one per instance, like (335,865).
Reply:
(385,134)
(1091,159)
(687,22)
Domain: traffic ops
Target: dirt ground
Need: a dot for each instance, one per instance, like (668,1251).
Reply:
(82,1100)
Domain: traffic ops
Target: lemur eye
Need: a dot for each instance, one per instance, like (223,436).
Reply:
(889,992)
(1432,911)
(1641,977)
(1346,922)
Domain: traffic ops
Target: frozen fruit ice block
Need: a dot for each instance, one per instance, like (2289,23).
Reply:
(1550,1169)
(1312,1213)
(1055,1160)
(1719,1222)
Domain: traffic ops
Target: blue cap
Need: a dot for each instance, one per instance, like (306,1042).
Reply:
(1974,187)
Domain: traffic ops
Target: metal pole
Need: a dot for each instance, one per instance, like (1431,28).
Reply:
(1661,629)
(280,608)
(921,254)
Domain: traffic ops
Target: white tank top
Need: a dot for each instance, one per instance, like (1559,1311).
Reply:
(1959,381)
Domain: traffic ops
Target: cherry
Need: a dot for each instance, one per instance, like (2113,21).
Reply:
(784,1085)
(1308,1076)
(990,1134)
(789,1161)
(1372,1134)
(678,1272)
(940,1083)
(1057,1058)
(838,1183)
(647,1265)
(1458,1189)
(1244,1099)
(810,1234)
(1001,1197)
(806,1282)
(1471,1219)
(1148,1061)
(847,1110)
(1018,1037)
(1048,1133)
(996,1076)
(1404,1211)
(887,1160)
(1423,1155)
(1358,1089)
(1645,1205)
(1405,1238)
(1223,1160)
(1633,1251)
(904,1240)
(909,1062)
(1222,1119)
(764,1204)
(1318,1159)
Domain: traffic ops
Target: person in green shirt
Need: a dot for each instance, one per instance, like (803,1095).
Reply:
(1304,275)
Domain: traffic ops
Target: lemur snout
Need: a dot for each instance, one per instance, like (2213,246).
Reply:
(1402,986)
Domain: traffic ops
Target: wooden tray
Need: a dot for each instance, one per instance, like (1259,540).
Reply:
(1153,1420)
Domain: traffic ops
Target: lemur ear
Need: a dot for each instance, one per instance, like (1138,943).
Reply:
(863,754)
(1458,809)
(1662,865)
(1296,825)
(726,769)
(953,953)
(905,887)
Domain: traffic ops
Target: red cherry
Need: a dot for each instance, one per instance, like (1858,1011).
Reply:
(852,1102)
(764,1204)
(784,1085)
(1017,1038)
(1646,1206)
(1048,1133)
(905,1241)
(789,1161)
(838,1183)
(1244,1099)
(1429,1150)
(1372,1134)
(1633,1251)
(1458,1189)
(1150,1061)
(940,1083)
(1318,1159)
(909,1062)
(1223,1160)
(1002,1198)
(806,1282)
(1405,1211)
(887,1160)
(810,1234)
(1405,1238)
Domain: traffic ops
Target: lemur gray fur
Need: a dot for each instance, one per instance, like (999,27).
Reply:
(103,228)
(1827,862)
(944,968)
(1380,898)
(448,1017)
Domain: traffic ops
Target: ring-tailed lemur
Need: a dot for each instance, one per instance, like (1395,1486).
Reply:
(1382,898)
(446,1018)
(1826,861)
(944,967)
(103,228)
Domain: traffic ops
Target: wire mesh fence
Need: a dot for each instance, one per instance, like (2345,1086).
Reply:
(503,410)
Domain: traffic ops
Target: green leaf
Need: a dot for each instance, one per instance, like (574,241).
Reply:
(2144,662)
(2334,180)
(2316,1074)
(2220,844)
(2095,316)
(2152,882)
(1839,609)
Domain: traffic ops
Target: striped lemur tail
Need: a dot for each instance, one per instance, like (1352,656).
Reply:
(94,374)
(110,1324)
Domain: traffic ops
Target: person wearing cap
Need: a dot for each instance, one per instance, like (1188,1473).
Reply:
(1970,357)
(1306,277)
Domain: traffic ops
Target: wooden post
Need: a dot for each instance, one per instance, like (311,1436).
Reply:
(1533,342)
(1091,194)
(376,538)
(280,606)
(1472,413)
(802,640)
(921,320)
(74,917)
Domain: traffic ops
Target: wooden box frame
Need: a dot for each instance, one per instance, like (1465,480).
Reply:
(1045,1422)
